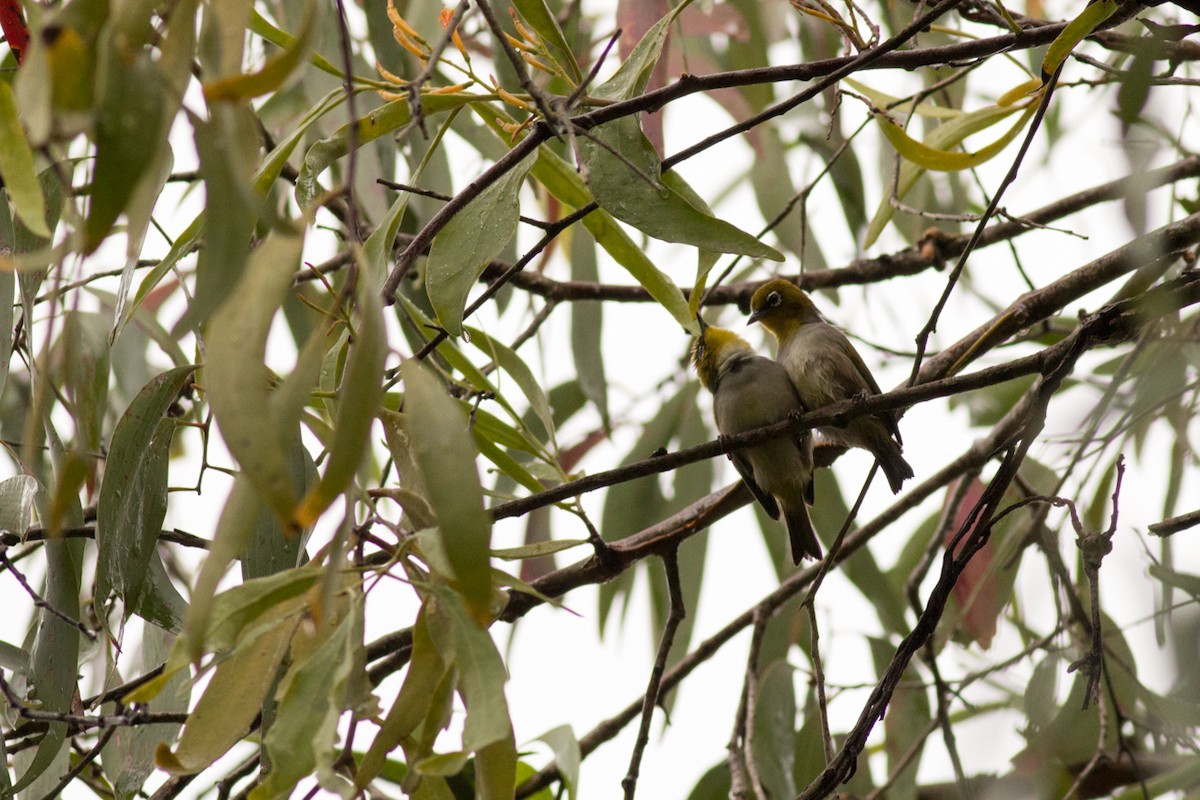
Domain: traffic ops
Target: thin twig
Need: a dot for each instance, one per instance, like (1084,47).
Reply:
(675,615)
(39,602)
(1035,124)
(82,764)
(744,779)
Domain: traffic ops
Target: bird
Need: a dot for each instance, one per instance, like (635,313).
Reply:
(825,368)
(751,391)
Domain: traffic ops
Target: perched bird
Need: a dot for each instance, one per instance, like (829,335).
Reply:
(750,391)
(825,368)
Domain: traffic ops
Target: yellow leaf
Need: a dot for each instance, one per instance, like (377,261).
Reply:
(939,160)
(1076,31)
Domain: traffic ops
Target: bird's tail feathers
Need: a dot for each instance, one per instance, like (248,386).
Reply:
(801,534)
(895,468)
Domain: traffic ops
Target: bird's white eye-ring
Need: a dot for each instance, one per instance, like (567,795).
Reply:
(773,299)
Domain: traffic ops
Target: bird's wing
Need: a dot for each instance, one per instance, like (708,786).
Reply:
(765,500)
(867,380)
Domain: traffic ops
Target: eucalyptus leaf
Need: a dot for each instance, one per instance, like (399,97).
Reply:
(444,453)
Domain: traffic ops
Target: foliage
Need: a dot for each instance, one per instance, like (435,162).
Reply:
(278,216)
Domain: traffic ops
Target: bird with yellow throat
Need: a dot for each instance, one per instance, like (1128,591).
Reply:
(751,391)
(825,368)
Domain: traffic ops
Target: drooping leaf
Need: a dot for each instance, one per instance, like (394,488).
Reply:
(230,703)
(561,179)
(226,146)
(1090,18)
(508,360)
(133,495)
(468,243)
(53,663)
(16,163)
(86,360)
(772,741)
(626,179)
(237,380)
(234,528)
(128,759)
(313,695)
(587,325)
(358,403)
(273,73)
(413,704)
(445,455)
(482,674)
(130,125)
(945,138)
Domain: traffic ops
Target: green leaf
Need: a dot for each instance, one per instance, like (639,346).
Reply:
(587,323)
(314,694)
(941,140)
(773,739)
(261,601)
(1078,29)
(561,179)
(234,529)
(508,360)
(383,120)
(13,658)
(227,147)
(131,124)
(273,546)
(273,73)
(626,179)
(506,463)
(358,404)
(16,503)
(632,76)
(481,672)
(237,380)
(413,704)
(496,769)
(230,703)
(261,27)
(16,164)
(85,362)
(8,286)
(54,659)
(468,243)
(944,160)
(128,759)
(378,247)
(543,21)
(445,455)
(537,549)
(133,495)
(160,602)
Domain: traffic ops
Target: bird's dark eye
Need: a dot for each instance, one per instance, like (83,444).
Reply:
(773,300)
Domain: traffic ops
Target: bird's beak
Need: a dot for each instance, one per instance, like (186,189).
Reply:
(700,321)
(754,317)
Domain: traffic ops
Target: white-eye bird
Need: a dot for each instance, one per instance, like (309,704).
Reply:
(825,368)
(751,391)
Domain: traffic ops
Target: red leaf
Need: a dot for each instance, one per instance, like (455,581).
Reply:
(979,599)
(12,22)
